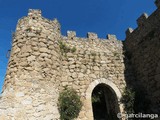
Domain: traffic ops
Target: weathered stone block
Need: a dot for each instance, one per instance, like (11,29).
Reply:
(92,36)
(111,37)
(31,58)
(27,101)
(71,34)
(19,94)
(44,50)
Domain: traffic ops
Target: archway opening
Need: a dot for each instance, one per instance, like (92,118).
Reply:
(104,103)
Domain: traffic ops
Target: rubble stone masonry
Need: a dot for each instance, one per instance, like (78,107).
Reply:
(43,61)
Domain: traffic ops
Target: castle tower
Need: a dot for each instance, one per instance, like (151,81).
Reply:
(33,68)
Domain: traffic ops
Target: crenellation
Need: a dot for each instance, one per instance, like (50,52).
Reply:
(146,24)
(129,31)
(71,34)
(111,37)
(92,36)
(34,13)
(56,24)
(142,19)
(142,47)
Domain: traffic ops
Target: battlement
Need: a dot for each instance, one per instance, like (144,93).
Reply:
(145,24)
(129,31)
(35,21)
(34,13)
(142,19)
(71,34)
(90,36)
(111,37)
(142,49)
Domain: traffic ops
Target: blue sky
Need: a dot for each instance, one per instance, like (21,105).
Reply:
(100,16)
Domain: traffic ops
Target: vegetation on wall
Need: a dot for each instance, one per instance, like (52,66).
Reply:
(65,48)
(69,104)
(29,29)
(127,99)
(96,96)
(135,100)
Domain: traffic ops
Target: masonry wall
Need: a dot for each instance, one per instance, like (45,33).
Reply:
(143,49)
(93,59)
(30,90)
(43,61)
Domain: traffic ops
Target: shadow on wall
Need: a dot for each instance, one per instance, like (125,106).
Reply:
(142,63)
(135,95)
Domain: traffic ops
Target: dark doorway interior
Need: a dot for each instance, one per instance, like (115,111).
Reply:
(104,103)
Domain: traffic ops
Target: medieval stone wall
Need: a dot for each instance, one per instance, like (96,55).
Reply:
(143,49)
(43,61)
(30,90)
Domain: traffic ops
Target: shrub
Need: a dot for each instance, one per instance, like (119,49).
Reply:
(65,49)
(69,104)
(128,98)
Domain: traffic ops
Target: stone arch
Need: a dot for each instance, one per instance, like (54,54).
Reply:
(88,103)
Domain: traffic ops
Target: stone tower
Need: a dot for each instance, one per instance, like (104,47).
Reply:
(43,62)
(33,69)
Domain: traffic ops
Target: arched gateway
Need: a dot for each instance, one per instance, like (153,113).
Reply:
(107,104)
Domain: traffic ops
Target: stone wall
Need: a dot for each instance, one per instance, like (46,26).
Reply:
(93,59)
(43,61)
(30,90)
(142,48)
